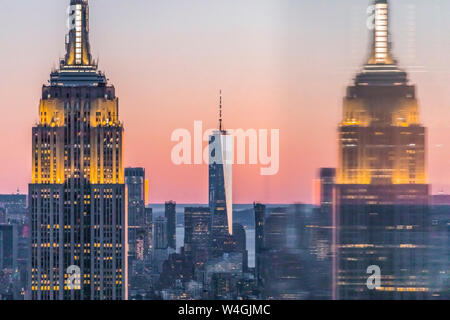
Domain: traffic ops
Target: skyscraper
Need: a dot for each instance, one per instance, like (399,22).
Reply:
(381,192)
(8,247)
(16,215)
(148,230)
(171,216)
(439,250)
(260,214)
(220,186)
(77,195)
(160,233)
(160,248)
(197,232)
(241,243)
(137,189)
(327,181)
(136,196)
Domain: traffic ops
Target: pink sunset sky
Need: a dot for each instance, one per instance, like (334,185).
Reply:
(280,64)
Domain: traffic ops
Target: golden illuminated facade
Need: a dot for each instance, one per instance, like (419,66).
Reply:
(381,138)
(381,196)
(77,194)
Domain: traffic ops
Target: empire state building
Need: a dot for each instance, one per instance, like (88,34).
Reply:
(77,195)
(381,196)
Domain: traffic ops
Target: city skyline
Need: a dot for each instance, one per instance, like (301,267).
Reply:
(149,124)
(241,198)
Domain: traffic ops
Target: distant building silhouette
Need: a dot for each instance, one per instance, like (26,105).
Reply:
(136,190)
(260,213)
(439,247)
(197,233)
(8,247)
(160,247)
(171,216)
(241,244)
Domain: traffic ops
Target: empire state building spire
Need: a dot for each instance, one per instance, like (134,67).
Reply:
(78,68)
(381,46)
(77,40)
(381,68)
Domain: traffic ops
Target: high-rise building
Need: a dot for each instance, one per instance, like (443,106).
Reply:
(77,195)
(137,190)
(241,243)
(381,192)
(327,182)
(136,196)
(260,214)
(160,248)
(160,233)
(2,215)
(171,216)
(10,288)
(220,186)
(275,229)
(439,247)
(325,199)
(8,247)
(15,211)
(319,234)
(140,267)
(148,231)
(197,232)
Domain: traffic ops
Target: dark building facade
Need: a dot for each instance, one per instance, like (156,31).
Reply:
(13,203)
(439,247)
(260,214)
(8,247)
(275,229)
(197,233)
(15,211)
(280,259)
(77,195)
(171,216)
(160,247)
(148,233)
(136,195)
(160,233)
(327,183)
(241,244)
(381,196)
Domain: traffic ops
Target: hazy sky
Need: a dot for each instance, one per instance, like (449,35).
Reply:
(282,64)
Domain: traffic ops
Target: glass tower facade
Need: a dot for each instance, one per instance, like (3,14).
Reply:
(220,192)
(220,187)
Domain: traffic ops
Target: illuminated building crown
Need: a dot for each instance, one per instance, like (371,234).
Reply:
(381,68)
(78,68)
